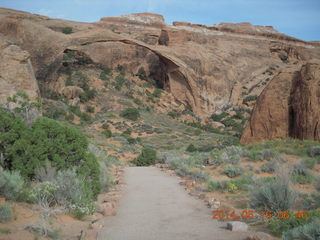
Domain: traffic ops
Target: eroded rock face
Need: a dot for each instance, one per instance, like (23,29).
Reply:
(204,67)
(16,73)
(304,103)
(288,107)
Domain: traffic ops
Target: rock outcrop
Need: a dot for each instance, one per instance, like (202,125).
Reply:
(204,67)
(16,73)
(288,107)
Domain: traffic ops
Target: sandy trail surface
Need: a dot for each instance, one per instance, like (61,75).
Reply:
(155,207)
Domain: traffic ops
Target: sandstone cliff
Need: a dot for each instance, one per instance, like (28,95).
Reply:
(204,67)
(288,107)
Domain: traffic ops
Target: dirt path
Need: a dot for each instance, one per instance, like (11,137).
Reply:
(155,207)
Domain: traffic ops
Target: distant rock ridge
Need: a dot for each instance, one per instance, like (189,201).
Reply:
(147,19)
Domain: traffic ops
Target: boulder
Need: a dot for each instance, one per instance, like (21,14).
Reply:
(237,226)
(107,209)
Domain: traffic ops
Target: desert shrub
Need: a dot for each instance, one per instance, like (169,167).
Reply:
(137,101)
(120,80)
(6,213)
(11,129)
(105,125)
(309,231)
(46,173)
(232,155)
(274,196)
(147,157)
(270,167)
(309,162)
(191,148)
(243,182)
(142,73)
(218,117)
(63,146)
(85,117)
(232,170)
(73,193)
(255,155)
(174,114)
(87,95)
(107,133)
(316,182)
(105,74)
(75,110)
(220,186)
(90,109)
(44,192)
(157,93)
(52,94)
(268,154)
(250,98)
(55,113)
(11,184)
(67,30)
(130,113)
(301,175)
(231,187)
(196,175)
(314,151)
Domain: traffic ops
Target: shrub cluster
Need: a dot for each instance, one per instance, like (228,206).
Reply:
(274,196)
(11,184)
(6,213)
(130,113)
(147,157)
(26,149)
(232,170)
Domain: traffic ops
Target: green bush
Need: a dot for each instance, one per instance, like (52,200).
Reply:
(301,175)
(131,114)
(316,182)
(157,93)
(137,101)
(142,73)
(27,149)
(314,151)
(67,30)
(6,213)
(174,114)
(90,109)
(85,117)
(218,117)
(309,162)
(120,80)
(232,170)
(107,133)
(74,193)
(44,191)
(250,98)
(105,126)
(309,231)
(147,157)
(191,148)
(223,186)
(11,184)
(274,196)
(270,167)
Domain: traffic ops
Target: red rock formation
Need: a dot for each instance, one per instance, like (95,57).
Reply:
(206,68)
(288,107)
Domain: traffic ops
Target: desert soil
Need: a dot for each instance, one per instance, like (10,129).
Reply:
(155,207)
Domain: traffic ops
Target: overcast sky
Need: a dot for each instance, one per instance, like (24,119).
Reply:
(298,18)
